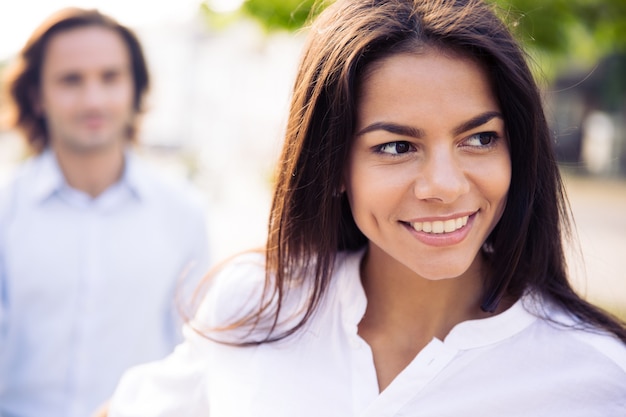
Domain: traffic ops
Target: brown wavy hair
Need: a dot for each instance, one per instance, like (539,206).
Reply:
(309,224)
(23,78)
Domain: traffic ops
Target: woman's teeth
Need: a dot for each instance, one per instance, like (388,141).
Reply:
(439,227)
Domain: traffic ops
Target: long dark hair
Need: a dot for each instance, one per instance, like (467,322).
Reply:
(310,222)
(23,79)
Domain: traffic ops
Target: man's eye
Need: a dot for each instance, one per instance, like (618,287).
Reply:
(71,79)
(110,76)
(395,148)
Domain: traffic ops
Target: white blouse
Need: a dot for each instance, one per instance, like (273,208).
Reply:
(513,364)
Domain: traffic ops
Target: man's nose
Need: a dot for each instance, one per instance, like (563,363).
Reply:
(94,93)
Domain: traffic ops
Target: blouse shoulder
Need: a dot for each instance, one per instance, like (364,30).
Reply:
(606,345)
(234,291)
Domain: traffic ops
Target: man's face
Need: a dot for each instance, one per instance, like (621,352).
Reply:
(86,94)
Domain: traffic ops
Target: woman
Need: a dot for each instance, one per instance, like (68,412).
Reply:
(414,263)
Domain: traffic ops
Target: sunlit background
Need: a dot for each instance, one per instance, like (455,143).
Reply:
(222,72)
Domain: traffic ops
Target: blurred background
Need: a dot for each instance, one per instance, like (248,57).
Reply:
(222,71)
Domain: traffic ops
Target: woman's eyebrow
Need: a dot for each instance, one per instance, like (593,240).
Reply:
(414,132)
(477,121)
(392,128)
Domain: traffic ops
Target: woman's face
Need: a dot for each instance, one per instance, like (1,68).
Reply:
(429,169)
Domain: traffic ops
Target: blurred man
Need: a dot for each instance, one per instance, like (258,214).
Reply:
(92,243)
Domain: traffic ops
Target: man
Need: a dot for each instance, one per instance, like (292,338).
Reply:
(92,244)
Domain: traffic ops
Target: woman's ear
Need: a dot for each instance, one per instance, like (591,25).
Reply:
(344,181)
(339,191)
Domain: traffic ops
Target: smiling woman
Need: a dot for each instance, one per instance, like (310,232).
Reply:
(414,263)
(430,162)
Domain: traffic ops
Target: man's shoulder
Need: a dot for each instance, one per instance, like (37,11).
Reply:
(18,182)
(23,169)
(172,190)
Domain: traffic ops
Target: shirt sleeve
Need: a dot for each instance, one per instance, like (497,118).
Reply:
(194,269)
(3,276)
(3,300)
(179,385)
(172,387)
(200,259)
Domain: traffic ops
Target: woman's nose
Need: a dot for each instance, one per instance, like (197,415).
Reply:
(441,177)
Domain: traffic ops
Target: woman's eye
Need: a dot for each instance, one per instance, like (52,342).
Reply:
(482,140)
(395,148)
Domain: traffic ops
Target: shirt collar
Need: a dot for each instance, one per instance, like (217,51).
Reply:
(48,178)
(483,332)
(134,178)
(466,335)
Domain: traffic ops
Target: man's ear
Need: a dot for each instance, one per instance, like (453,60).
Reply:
(35,100)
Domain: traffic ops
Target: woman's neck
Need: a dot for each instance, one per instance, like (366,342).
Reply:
(405,311)
(400,298)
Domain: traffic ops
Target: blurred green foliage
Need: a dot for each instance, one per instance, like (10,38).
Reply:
(580,29)
(566,30)
(280,14)
(272,15)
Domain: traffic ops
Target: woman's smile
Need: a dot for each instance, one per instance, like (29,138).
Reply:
(441,232)
(440,226)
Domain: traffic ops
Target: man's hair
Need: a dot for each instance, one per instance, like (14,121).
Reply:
(23,78)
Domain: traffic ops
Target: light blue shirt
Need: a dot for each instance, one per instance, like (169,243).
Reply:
(87,286)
